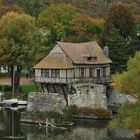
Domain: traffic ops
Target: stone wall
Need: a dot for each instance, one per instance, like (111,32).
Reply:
(88,95)
(46,102)
(117,98)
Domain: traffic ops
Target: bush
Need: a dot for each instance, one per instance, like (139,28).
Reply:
(54,115)
(7,88)
(73,109)
(98,112)
(128,117)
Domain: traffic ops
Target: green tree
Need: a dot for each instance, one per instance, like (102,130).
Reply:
(128,82)
(19,39)
(83,28)
(135,40)
(31,7)
(118,51)
(55,18)
(63,22)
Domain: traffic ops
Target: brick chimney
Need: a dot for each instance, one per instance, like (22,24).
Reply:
(106,51)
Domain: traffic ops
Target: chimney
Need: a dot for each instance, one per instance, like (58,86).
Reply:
(106,51)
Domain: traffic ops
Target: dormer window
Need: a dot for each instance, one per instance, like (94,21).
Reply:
(91,58)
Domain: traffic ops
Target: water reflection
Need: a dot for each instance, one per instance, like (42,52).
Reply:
(11,128)
(9,124)
(80,131)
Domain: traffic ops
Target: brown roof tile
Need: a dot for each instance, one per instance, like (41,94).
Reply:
(78,52)
(55,61)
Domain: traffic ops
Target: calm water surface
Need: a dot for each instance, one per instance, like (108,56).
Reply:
(10,128)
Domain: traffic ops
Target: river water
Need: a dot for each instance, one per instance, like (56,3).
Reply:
(12,129)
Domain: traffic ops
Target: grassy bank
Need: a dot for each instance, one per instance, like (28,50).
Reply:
(23,93)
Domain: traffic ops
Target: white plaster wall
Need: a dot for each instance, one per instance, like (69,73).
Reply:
(37,73)
(76,72)
(70,73)
(87,72)
(108,70)
(62,73)
(88,95)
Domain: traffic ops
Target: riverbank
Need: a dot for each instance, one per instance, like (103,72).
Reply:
(68,114)
(83,129)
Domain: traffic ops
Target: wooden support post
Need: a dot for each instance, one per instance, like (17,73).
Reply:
(65,96)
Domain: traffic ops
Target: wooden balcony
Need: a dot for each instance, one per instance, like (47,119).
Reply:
(96,80)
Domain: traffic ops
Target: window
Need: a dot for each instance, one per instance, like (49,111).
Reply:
(82,72)
(55,73)
(45,73)
(98,72)
(90,72)
(104,71)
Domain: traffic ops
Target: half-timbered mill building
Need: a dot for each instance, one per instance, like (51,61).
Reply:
(69,63)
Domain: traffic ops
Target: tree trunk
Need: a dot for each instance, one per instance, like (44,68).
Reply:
(17,79)
(16,74)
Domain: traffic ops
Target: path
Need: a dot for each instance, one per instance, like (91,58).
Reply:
(7,81)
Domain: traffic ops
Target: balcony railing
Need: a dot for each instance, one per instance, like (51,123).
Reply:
(96,80)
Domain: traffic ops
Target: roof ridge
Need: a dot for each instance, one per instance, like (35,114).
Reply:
(65,52)
(75,42)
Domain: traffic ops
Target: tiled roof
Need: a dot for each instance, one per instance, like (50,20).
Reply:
(55,61)
(79,52)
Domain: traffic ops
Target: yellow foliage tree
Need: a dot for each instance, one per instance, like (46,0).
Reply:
(129,81)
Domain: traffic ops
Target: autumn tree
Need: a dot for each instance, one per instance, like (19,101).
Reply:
(31,7)
(129,80)
(83,28)
(63,22)
(4,8)
(120,16)
(117,33)
(18,42)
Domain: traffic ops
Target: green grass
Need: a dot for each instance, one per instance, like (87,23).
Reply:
(24,90)
(30,88)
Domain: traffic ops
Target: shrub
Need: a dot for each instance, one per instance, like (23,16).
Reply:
(73,109)
(128,117)
(7,88)
(54,115)
(98,112)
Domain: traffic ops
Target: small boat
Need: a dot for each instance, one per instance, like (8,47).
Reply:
(64,124)
(11,102)
(14,102)
(52,126)
(21,102)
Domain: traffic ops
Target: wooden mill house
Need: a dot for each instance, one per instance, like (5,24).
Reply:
(70,63)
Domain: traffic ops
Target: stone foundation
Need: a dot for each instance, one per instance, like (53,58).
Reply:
(46,102)
(88,95)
